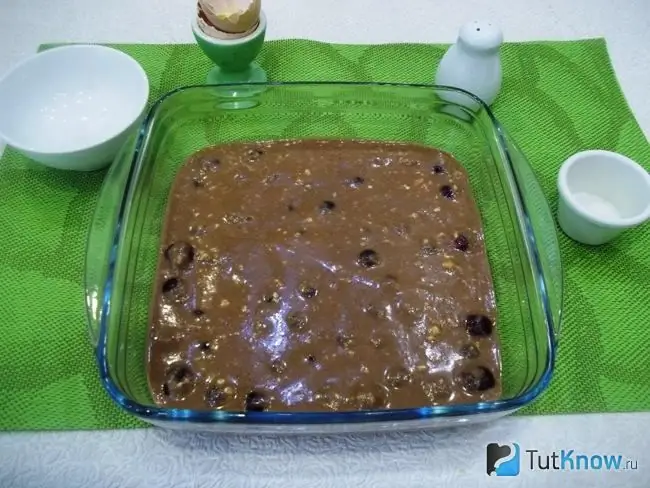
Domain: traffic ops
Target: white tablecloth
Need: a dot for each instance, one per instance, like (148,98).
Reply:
(449,458)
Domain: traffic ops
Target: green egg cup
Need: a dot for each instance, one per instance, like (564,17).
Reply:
(233,58)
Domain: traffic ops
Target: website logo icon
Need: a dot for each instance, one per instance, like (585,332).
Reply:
(502,459)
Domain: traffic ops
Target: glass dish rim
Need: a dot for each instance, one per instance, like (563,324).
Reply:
(157,413)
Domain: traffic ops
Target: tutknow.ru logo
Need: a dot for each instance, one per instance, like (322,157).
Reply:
(509,460)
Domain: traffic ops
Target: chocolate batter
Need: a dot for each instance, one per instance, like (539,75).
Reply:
(322,276)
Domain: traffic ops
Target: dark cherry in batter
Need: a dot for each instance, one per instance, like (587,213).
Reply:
(322,276)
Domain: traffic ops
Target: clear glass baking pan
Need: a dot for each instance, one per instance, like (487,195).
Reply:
(520,235)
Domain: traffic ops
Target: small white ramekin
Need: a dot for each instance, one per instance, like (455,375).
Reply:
(601,194)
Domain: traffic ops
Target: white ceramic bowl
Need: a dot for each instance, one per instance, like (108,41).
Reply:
(601,194)
(72,107)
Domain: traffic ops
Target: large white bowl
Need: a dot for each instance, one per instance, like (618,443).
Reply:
(72,107)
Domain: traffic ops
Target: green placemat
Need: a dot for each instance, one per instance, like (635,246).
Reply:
(557,98)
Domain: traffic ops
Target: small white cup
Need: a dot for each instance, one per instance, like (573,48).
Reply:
(601,194)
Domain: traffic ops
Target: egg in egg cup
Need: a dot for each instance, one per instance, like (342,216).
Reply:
(232,55)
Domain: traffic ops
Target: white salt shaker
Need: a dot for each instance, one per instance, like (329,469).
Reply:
(473,64)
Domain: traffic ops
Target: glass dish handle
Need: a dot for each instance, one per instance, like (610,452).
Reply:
(101,235)
(542,228)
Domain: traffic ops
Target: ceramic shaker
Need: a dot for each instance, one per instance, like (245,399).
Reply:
(473,63)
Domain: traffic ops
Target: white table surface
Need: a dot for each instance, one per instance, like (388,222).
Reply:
(158,458)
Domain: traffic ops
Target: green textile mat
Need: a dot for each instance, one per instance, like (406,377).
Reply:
(557,98)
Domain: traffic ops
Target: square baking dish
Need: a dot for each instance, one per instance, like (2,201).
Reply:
(519,233)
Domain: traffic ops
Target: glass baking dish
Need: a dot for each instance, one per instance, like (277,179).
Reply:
(520,236)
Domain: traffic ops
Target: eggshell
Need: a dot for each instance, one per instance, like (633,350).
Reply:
(233,16)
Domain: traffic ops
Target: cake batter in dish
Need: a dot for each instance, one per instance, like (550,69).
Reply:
(322,276)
